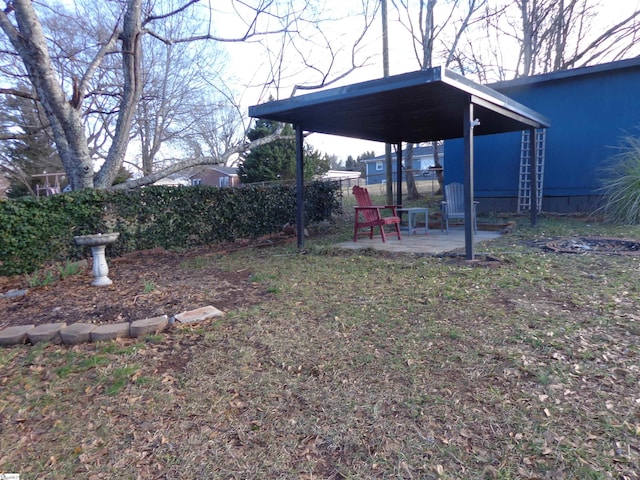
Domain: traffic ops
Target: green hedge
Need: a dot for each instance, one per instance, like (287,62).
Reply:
(36,231)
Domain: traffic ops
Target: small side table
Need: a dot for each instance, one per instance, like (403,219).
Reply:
(411,217)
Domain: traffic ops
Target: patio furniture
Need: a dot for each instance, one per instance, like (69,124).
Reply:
(412,213)
(452,206)
(370,216)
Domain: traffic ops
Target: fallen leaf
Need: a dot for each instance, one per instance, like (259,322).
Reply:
(466,433)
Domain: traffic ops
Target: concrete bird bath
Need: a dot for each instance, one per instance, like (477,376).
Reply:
(98,243)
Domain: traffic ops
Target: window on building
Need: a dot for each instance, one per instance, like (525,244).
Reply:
(379,166)
(196,181)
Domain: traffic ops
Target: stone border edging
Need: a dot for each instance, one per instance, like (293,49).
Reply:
(80,332)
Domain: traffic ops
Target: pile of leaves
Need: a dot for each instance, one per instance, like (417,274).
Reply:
(598,245)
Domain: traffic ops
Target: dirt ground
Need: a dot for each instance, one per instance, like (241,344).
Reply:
(145,284)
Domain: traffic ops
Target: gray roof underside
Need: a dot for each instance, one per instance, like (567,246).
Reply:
(412,107)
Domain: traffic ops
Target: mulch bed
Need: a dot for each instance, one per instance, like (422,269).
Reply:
(145,284)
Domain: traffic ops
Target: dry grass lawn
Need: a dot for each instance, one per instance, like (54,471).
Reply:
(356,366)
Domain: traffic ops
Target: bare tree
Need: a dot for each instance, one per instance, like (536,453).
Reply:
(100,79)
(548,35)
(334,45)
(176,90)
(437,34)
(437,27)
(29,41)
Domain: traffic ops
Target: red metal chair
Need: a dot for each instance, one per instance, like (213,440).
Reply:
(370,216)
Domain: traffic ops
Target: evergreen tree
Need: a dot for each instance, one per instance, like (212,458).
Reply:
(351,164)
(28,148)
(366,155)
(277,160)
(334,163)
(360,161)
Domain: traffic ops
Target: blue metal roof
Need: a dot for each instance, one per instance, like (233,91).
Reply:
(560,75)
(413,107)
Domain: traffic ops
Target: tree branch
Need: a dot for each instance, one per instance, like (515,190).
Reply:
(605,35)
(197,38)
(368,20)
(151,18)
(183,165)
(18,93)
(81,89)
(14,136)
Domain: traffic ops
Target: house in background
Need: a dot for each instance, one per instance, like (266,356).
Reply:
(376,171)
(215,176)
(173,181)
(590,110)
(340,175)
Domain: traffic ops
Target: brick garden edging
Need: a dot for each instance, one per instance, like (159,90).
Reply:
(80,332)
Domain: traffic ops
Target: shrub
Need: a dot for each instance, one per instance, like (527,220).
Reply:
(38,230)
(621,184)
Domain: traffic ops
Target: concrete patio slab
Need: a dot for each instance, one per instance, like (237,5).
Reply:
(434,242)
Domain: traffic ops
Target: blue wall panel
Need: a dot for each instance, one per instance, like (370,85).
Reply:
(589,114)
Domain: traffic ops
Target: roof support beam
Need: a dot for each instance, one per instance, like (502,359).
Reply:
(300,185)
(505,112)
(399,175)
(388,166)
(468,123)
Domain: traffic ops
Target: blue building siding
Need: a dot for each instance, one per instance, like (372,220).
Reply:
(422,160)
(590,110)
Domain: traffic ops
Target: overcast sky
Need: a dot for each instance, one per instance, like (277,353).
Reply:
(248,64)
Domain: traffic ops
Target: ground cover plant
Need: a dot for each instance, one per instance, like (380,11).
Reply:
(354,365)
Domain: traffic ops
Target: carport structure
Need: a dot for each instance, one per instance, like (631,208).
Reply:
(427,105)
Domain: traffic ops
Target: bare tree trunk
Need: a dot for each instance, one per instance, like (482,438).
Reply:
(66,123)
(222,160)
(130,36)
(561,37)
(526,53)
(412,189)
(147,150)
(438,167)
(429,34)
